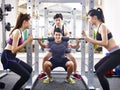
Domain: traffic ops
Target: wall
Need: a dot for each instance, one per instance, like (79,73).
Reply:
(112,17)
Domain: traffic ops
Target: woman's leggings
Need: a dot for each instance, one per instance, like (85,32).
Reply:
(10,61)
(109,62)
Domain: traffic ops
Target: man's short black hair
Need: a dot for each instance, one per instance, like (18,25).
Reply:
(58,15)
(58,30)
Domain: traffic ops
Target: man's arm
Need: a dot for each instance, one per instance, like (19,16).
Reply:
(42,44)
(75,45)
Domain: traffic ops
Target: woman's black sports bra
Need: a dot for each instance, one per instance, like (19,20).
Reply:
(98,35)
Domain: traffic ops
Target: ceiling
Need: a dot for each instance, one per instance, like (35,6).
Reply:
(65,8)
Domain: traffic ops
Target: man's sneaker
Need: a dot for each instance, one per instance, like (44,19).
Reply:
(42,75)
(70,80)
(77,76)
(47,80)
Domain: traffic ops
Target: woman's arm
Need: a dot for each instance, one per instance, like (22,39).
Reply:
(16,35)
(103,32)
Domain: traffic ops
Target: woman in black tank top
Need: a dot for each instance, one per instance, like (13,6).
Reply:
(104,38)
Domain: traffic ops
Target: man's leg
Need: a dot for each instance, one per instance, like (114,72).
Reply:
(47,68)
(45,58)
(75,65)
(70,66)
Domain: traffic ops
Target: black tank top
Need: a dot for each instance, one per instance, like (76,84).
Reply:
(98,35)
(61,29)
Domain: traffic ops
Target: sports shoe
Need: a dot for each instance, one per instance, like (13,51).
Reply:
(42,75)
(70,80)
(47,80)
(77,76)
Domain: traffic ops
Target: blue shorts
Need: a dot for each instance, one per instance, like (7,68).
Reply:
(59,63)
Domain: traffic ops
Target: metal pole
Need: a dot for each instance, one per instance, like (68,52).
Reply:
(3,34)
(91,52)
(37,35)
(46,22)
(83,58)
(29,46)
(83,42)
(3,25)
(74,22)
(62,1)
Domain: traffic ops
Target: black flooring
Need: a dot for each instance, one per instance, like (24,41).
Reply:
(59,84)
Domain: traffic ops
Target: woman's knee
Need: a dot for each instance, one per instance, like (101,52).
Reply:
(96,67)
(99,73)
(26,75)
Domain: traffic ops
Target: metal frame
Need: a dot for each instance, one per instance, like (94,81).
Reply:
(46,21)
(32,80)
(83,59)
(3,24)
(62,1)
(87,80)
(36,59)
(3,34)
(91,52)
(74,21)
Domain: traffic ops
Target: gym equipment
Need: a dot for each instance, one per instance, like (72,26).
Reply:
(63,38)
(88,80)
(1,14)
(8,7)
(3,9)
(8,26)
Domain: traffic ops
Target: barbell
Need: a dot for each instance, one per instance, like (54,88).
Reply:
(63,38)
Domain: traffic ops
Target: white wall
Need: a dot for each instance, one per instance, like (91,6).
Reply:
(111,11)
(112,17)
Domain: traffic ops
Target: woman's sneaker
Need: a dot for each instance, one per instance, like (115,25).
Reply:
(70,80)
(47,80)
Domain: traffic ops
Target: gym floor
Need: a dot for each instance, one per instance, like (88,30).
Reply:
(58,83)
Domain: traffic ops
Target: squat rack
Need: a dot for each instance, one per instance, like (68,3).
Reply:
(87,80)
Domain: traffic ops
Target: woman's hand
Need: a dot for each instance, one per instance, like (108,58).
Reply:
(30,38)
(84,35)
